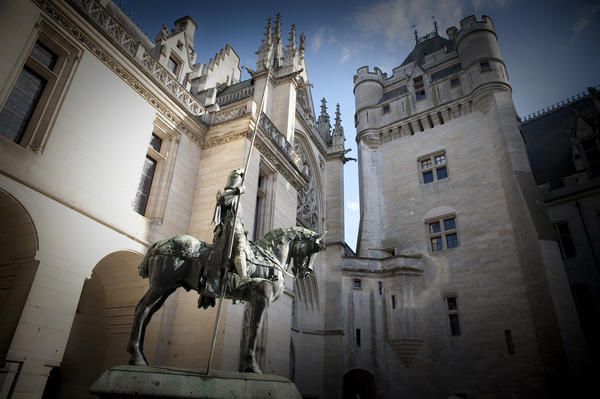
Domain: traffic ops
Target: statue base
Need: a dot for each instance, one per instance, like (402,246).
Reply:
(165,382)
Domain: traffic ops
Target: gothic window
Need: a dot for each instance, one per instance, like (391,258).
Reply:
(27,114)
(591,150)
(433,167)
(454,82)
(173,64)
(307,212)
(452,303)
(386,109)
(264,201)
(419,88)
(565,242)
(156,175)
(153,157)
(442,233)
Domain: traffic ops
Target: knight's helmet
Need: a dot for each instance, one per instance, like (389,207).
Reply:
(235,178)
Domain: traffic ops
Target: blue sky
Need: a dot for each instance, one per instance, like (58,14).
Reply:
(551,48)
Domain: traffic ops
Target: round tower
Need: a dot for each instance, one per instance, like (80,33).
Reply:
(368,87)
(368,91)
(477,47)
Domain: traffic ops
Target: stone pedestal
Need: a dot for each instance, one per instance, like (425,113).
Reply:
(166,383)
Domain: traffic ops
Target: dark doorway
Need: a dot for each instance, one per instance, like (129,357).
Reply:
(359,384)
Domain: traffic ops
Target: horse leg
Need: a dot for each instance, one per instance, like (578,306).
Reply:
(259,306)
(148,305)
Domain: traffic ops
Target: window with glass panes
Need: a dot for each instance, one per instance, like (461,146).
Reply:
(30,106)
(153,158)
(433,167)
(567,247)
(442,233)
(173,65)
(37,73)
(452,303)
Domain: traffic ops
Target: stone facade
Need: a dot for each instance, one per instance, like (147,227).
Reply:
(563,145)
(489,314)
(79,209)
(458,288)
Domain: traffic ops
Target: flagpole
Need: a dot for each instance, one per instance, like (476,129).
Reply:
(231,236)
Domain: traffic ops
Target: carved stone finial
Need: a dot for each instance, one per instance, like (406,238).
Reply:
(302,42)
(277,28)
(268,39)
(323,124)
(292,38)
(162,35)
(338,116)
(324,107)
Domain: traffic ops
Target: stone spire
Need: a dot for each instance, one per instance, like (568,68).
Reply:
(290,56)
(323,124)
(338,130)
(302,44)
(277,40)
(264,52)
(292,39)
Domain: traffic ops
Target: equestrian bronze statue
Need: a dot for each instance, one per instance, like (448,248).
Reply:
(232,267)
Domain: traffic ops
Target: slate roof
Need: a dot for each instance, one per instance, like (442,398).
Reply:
(548,141)
(428,46)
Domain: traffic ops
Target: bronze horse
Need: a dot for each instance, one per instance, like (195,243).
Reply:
(183,261)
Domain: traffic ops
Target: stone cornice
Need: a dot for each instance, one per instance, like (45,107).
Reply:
(68,20)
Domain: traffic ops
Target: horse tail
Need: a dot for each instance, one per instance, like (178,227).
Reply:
(143,269)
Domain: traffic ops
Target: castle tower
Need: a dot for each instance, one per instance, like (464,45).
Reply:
(444,176)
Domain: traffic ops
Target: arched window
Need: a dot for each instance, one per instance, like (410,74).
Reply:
(307,212)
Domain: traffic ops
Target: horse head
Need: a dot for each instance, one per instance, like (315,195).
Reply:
(304,251)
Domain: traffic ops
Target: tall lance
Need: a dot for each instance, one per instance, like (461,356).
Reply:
(237,206)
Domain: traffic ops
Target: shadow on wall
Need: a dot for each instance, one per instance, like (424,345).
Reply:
(102,325)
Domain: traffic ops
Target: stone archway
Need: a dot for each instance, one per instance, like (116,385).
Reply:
(359,384)
(18,247)
(102,323)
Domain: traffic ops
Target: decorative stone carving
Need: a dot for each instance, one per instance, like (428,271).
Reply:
(97,50)
(307,211)
(127,42)
(227,115)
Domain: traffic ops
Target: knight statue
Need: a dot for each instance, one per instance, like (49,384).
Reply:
(225,225)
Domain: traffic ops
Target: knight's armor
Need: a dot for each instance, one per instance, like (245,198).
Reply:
(225,225)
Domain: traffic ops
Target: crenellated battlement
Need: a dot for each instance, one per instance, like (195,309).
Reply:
(363,74)
(470,24)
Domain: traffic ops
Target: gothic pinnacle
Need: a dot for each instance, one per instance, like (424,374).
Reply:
(292,38)
(267,39)
(277,27)
(302,42)
(338,116)
(324,108)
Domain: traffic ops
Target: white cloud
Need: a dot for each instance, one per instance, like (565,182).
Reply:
(353,206)
(345,54)
(323,36)
(394,19)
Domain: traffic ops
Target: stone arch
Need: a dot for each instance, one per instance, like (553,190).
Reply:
(359,383)
(18,248)
(103,321)
(310,201)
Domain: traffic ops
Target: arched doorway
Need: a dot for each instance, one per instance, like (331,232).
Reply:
(102,323)
(359,384)
(18,247)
